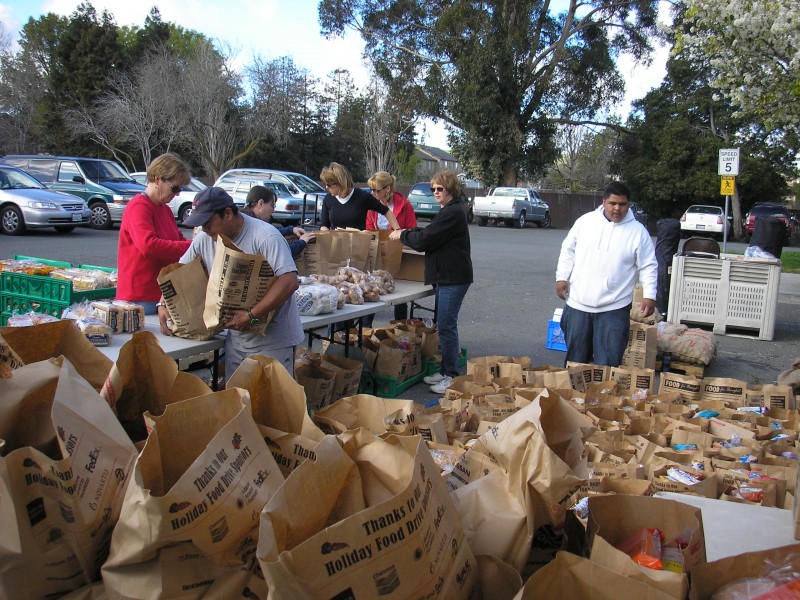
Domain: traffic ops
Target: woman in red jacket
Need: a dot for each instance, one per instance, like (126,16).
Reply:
(382,186)
(149,239)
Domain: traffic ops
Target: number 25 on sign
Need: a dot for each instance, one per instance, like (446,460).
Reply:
(728,185)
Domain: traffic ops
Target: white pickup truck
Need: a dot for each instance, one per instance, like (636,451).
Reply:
(514,206)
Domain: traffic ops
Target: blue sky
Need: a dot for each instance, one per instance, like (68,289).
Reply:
(274,28)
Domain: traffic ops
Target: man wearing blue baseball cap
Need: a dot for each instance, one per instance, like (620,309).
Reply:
(213,209)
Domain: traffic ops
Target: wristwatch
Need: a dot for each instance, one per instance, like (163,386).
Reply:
(254,320)
(158,304)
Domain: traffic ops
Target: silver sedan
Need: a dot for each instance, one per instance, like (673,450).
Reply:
(25,203)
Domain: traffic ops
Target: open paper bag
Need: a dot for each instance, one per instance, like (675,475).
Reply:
(63,472)
(381,523)
(191,510)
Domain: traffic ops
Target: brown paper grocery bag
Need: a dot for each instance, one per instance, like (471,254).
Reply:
(289,450)
(318,383)
(571,576)
(184,290)
(332,548)
(709,578)
(390,252)
(237,281)
(146,379)
(63,471)
(276,399)
(674,519)
(363,410)
(190,516)
(348,374)
(51,340)
(540,451)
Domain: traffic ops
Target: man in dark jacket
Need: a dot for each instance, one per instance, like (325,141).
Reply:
(448,267)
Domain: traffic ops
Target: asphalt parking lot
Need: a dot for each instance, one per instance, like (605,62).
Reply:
(506,310)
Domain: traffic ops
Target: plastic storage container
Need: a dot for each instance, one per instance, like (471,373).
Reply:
(734,297)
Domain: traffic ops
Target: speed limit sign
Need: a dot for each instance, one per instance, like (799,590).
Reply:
(729,162)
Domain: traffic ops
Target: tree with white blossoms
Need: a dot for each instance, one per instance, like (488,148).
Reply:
(753,47)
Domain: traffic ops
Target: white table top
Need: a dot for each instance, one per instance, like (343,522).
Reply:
(175,347)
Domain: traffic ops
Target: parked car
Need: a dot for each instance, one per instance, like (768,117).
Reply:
(514,206)
(104,184)
(766,209)
(26,203)
(701,219)
(424,204)
(288,208)
(299,185)
(181,204)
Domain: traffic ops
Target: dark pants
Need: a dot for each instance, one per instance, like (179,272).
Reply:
(448,303)
(596,338)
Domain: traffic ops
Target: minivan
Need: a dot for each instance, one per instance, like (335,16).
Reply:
(299,185)
(288,209)
(104,185)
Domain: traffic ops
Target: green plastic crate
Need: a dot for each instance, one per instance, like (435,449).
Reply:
(386,387)
(42,287)
(10,303)
(45,261)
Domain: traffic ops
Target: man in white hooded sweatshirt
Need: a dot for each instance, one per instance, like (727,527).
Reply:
(597,269)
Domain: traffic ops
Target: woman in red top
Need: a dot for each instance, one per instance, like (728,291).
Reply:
(149,239)
(382,186)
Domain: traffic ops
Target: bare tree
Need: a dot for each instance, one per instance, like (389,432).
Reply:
(383,124)
(221,132)
(278,88)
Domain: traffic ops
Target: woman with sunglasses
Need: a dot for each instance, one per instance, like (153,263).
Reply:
(149,239)
(346,205)
(382,186)
(448,267)
(260,203)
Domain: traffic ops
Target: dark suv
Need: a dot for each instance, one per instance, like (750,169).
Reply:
(765,210)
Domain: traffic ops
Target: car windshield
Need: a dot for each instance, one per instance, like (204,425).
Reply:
(279,188)
(193,186)
(764,210)
(13,179)
(421,189)
(509,192)
(304,183)
(705,210)
(104,170)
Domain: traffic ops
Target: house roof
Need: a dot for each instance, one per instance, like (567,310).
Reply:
(435,153)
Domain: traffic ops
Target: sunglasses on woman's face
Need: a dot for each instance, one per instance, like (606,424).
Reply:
(437,188)
(175,189)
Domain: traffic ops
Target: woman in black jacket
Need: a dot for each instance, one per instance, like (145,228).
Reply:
(345,205)
(448,267)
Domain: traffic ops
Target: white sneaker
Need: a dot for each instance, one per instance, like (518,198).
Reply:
(433,379)
(441,387)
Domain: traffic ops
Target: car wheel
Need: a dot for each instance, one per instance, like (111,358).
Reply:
(11,221)
(101,218)
(482,221)
(520,224)
(546,222)
(65,228)
(184,212)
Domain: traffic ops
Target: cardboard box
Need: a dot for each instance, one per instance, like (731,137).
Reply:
(412,266)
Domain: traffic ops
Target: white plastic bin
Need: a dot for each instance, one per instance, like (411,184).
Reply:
(733,296)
